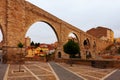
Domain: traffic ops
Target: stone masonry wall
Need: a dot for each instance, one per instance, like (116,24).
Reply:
(15,25)
(16,22)
(3,18)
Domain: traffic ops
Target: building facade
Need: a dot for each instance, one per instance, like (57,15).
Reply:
(102,33)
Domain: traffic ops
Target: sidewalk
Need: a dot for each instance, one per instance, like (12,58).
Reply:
(62,73)
(3,68)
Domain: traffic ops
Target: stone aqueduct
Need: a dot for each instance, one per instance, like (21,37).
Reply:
(16,16)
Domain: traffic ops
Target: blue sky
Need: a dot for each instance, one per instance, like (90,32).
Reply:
(83,14)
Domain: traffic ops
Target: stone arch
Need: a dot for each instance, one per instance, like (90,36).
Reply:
(86,43)
(49,24)
(94,44)
(88,55)
(59,55)
(76,39)
(75,35)
(2,32)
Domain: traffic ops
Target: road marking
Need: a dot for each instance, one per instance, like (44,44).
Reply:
(72,72)
(57,78)
(31,72)
(46,75)
(109,74)
(6,73)
(95,71)
(28,76)
(19,76)
(43,68)
(89,76)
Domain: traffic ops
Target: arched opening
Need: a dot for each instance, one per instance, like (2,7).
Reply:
(42,32)
(1,37)
(59,54)
(88,55)
(41,36)
(94,44)
(86,43)
(73,36)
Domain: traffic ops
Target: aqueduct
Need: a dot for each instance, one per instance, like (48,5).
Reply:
(16,16)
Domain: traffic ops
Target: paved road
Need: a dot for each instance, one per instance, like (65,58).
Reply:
(114,76)
(63,74)
(3,68)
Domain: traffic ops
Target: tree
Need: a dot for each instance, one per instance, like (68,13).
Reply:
(20,45)
(36,45)
(32,43)
(71,48)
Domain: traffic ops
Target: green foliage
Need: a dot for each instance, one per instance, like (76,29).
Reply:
(32,43)
(36,45)
(71,48)
(20,45)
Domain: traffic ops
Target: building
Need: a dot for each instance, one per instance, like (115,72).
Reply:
(102,33)
(41,50)
(27,41)
(117,40)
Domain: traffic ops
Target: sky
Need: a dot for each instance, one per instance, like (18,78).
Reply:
(83,14)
